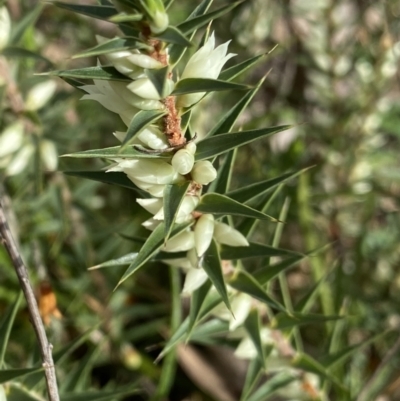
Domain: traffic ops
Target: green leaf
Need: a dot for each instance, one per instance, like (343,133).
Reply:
(253,374)
(234,71)
(265,274)
(221,184)
(115,151)
(20,52)
(212,266)
(103,395)
(113,45)
(285,321)
(6,325)
(113,178)
(174,35)
(121,261)
(11,374)
(208,332)
(158,77)
(222,205)
(216,145)
(27,21)
(107,73)
(197,22)
(17,392)
(185,120)
(173,197)
(244,282)
(153,243)
(227,121)
(194,85)
(139,122)
(123,17)
(252,325)
(273,384)
(99,12)
(246,194)
(254,250)
(196,302)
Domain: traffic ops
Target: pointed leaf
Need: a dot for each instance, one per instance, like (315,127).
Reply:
(253,328)
(12,51)
(173,197)
(216,145)
(158,77)
(153,243)
(209,332)
(113,45)
(234,71)
(265,274)
(174,35)
(196,302)
(11,374)
(100,72)
(197,22)
(113,178)
(115,152)
(222,205)
(103,395)
(227,121)
(139,122)
(244,282)
(221,184)
(245,194)
(212,266)
(253,374)
(99,12)
(285,321)
(27,21)
(6,325)
(122,261)
(123,17)
(254,250)
(194,85)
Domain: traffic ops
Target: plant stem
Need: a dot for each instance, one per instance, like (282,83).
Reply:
(37,323)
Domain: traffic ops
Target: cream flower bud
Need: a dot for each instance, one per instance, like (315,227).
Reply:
(182,242)
(181,262)
(241,305)
(191,148)
(203,233)
(11,138)
(20,160)
(153,138)
(153,172)
(183,161)
(151,224)
(5,27)
(49,155)
(151,205)
(160,22)
(187,206)
(143,60)
(225,234)
(39,95)
(144,88)
(195,278)
(193,258)
(203,172)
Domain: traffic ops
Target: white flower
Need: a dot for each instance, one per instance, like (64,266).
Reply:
(5,27)
(20,160)
(144,88)
(203,233)
(246,348)
(153,138)
(151,205)
(241,305)
(49,155)
(194,279)
(181,242)
(207,62)
(11,138)
(203,172)
(39,95)
(225,234)
(183,161)
(187,206)
(160,22)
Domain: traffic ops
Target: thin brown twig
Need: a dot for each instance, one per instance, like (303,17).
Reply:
(22,273)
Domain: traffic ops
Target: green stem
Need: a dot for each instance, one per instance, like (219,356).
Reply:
(169,365)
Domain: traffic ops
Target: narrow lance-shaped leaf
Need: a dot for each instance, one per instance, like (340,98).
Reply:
(244,282)
(253,328)
(12,374)
(122,261)
(221,184)
(122,17)
(222,205)
(27,21)
(194,85)
(113,45)
(12,51)
(140,121)
(173,197)
(6,326)
(285,321)
(100,72)
(254,371)
(173,35)
(247,193)
(113,178)
(99,12)
(217,145)
(100,395)
(153,243)
(212,266)
(207,332)
(227,121)
(197,22)
(158,77)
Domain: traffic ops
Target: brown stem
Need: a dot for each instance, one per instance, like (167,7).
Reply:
(23,277)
